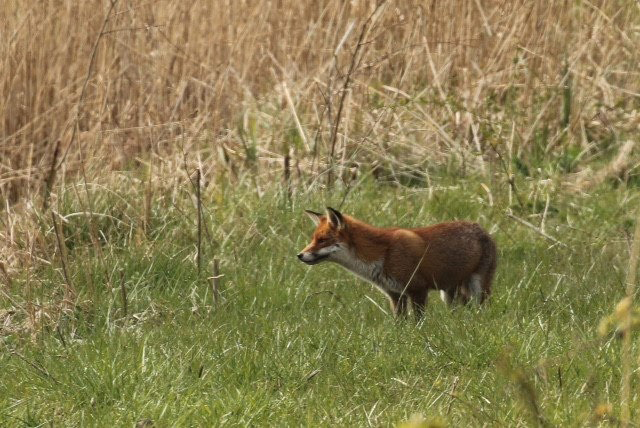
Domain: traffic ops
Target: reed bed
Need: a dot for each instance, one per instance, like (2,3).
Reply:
(100,86)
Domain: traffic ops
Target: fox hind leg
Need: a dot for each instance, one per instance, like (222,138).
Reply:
(419,302)
(475,288)
(463,294)
(446,297)
(486,269)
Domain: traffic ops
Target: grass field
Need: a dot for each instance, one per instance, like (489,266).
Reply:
(292,345)
(121,120)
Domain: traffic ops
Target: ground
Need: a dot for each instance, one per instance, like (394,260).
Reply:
(290,344)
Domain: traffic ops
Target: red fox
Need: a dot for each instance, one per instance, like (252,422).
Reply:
(457,258)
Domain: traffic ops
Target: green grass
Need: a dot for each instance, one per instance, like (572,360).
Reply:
(295,345)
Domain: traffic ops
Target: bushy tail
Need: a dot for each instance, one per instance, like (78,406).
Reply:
(487,266)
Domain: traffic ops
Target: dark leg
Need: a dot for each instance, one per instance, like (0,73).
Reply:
(463,295)
(486,283)
(398,304)
(419,301)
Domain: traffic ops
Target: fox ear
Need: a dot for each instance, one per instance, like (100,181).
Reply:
(335,218)
(314,216)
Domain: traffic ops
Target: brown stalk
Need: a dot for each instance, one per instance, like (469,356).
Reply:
(51,176)
(510,177)
(356,58)
(62,249)
(123,292)
(215,281)
(148,192)
(39,369)
(92,60)
(196,187)
(3,269)
(287,174)
(536,229)
(74,135)
(199,201)
(452,394)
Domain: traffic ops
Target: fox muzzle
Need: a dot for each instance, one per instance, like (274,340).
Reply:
(312,258)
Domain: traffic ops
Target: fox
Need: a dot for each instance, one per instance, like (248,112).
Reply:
(456,258)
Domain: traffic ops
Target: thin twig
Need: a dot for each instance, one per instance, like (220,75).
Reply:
(361,143)
(215,282)
(48,183)
(10,299)
(199,201)
(74,135)
(316,293)
(287,174)
(6,275)
(537,230)
(92,61)
(123,291)
(510,177)
(61,336)
(186,169)
(61,250)
(292,107)
(452,394)
(146,27)
(356,58)
(414,272)
(39,369)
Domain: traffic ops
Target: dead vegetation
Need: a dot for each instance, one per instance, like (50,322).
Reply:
(325,91)
(408,84)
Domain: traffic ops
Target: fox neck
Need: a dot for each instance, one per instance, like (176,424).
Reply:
(367,243)
(365,254)
(368,270)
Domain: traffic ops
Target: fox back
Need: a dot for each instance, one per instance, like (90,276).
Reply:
(457,258)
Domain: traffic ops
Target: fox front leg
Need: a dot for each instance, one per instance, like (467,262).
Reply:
(399,305)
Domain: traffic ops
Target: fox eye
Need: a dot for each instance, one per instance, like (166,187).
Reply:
(321,240)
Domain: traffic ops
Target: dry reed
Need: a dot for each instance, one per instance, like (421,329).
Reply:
(159,70)
(108,86)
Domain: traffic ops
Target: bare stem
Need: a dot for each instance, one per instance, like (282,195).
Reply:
(123,290)
(215,281)
(63,256)
(199,199)
(356,58)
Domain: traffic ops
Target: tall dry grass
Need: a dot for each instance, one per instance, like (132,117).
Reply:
(431,80)
(237,87)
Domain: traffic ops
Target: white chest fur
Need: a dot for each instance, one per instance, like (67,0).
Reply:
(369,271)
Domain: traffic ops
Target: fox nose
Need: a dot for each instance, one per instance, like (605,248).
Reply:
(300,256)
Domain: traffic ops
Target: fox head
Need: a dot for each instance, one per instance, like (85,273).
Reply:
(329,238)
